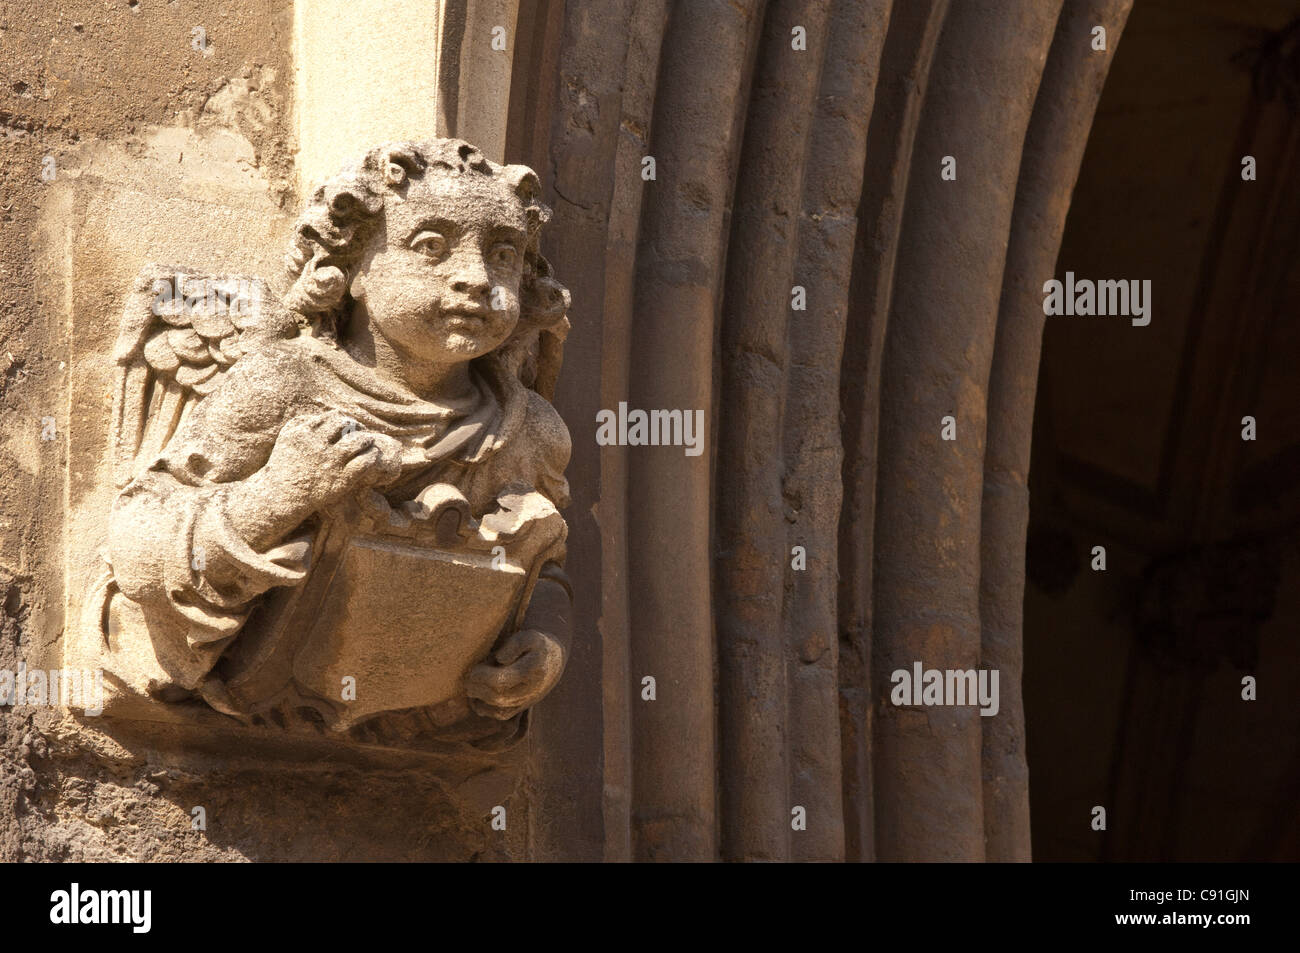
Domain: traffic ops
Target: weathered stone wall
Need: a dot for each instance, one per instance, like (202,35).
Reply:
(156,143)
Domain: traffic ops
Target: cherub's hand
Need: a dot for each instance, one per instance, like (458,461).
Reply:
(529,663)
(316,460)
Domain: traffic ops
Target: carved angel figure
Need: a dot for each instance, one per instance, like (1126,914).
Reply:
(340,491)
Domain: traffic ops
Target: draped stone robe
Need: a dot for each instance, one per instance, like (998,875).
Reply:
(176,508)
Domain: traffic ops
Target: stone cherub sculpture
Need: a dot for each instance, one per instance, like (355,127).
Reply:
(339,499)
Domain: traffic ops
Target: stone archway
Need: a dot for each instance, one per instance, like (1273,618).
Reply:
(771,680)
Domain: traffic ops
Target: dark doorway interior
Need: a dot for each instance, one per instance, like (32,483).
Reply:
(1134,675)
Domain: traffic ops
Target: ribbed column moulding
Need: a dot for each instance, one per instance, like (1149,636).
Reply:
(751,568)
(828,229)
(913,32)
(706,49)
(938,351)
(1054,146)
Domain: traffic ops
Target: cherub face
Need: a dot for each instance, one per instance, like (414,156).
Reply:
(440,277)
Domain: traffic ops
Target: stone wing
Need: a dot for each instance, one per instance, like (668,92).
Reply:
(180,333)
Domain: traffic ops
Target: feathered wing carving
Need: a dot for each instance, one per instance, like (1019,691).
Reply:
(180,333)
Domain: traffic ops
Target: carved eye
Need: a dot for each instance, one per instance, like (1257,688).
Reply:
(430,244)
(503,255)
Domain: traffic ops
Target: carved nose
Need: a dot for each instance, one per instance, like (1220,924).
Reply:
(471,278)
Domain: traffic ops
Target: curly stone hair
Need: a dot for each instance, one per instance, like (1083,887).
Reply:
(330,235)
